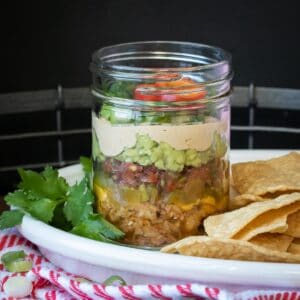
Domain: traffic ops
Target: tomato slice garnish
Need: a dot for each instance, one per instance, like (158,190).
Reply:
(142,92)
(174,90)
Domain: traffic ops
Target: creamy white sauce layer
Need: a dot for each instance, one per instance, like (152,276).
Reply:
(113,139)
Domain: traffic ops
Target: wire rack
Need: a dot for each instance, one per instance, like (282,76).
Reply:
(247,101)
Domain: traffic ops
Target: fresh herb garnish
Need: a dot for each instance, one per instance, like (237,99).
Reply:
(11,218)
(49,198)
(78,205)
(87,165)
(120,89)
(97,228)
(46,184)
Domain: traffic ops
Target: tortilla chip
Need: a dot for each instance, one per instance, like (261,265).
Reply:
(232,191)
(294,246)
(296,241)
(293,222)
(243,200)
(258,217)
(273,241)
(262,178)
(273,221)
(204,246)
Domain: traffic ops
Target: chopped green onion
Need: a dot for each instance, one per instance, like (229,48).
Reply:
(81,279)
(19,266)
(14,261)
(114,279)
(12,256)
(17,287)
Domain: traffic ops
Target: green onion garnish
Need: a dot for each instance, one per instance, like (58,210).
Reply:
(14,261)
(114,279)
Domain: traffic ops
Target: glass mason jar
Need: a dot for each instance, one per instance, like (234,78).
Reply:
(160,138)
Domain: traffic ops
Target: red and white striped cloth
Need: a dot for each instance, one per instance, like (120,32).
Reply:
(52,283)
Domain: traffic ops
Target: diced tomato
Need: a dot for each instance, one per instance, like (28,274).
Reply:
(150,175)
(192,96)
(141,93)
(172,90)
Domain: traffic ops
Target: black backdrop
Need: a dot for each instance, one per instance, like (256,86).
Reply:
(44,43)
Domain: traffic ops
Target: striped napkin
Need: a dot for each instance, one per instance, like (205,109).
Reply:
(46,281)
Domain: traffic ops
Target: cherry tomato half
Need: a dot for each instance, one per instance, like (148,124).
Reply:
(176,90)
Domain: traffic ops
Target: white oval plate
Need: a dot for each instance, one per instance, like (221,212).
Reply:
(98,260)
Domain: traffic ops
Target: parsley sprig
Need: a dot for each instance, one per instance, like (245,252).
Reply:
(50,199)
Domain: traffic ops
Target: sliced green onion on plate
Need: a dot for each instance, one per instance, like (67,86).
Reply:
(114,279)
(14,261)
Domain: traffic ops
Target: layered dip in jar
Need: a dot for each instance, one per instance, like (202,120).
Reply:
(160,137)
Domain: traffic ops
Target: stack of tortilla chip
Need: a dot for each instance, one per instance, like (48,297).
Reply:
(261,180)
(267,229)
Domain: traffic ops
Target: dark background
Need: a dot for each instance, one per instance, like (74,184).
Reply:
(44,43)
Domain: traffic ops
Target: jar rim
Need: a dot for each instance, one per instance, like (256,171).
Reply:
(112,58)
